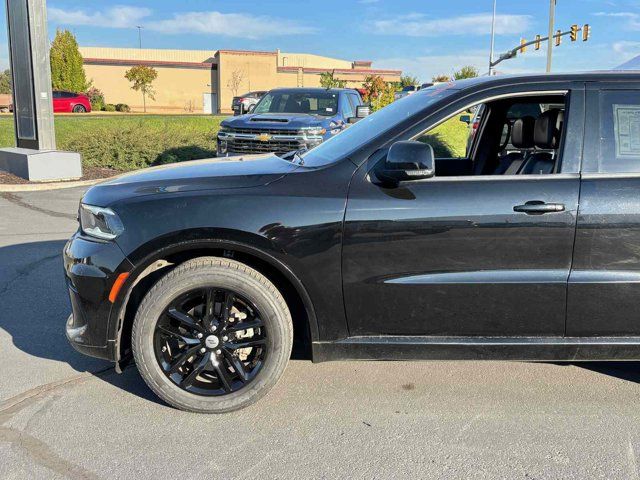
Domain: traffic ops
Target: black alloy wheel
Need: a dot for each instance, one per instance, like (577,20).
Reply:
(211,341)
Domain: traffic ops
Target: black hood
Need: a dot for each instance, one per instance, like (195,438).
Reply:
(209,174)
(276,121)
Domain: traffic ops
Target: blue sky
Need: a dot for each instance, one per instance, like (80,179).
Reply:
(420,37)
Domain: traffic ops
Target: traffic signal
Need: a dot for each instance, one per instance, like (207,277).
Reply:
(586,32)
(574,32)
(558,36)
(523,48)
(537,45)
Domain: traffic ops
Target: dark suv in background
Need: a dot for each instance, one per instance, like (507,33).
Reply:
(290,119)
(243,104)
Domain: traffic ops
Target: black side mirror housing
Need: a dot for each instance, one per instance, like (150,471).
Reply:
(408,160)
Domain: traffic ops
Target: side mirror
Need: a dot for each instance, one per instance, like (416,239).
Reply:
(465,119)
(408,160)
(363,111)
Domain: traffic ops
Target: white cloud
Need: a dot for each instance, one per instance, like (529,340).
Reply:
(229,25)
(627,48)
(418,25)
(114,17)
(208,23)
(4,56)
(632,20)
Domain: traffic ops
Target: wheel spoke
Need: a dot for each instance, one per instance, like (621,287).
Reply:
(236,364)
(246,325)
(197,370)
(186,320)
(182,358)
(225,309)
(223,376)
(209,304)
(250,342)
(169,330)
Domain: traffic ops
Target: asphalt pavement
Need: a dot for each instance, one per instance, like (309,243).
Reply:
(63,415)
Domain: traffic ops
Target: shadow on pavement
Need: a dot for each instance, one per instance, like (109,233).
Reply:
(35,305)
(629,371)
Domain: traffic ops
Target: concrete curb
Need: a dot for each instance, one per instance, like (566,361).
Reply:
(37,187)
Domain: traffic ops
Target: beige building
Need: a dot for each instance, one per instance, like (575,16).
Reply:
(207,80)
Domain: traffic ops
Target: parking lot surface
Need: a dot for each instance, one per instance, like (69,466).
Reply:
(63,415)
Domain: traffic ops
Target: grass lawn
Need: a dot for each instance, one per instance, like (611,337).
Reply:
(449,139)
(129,142)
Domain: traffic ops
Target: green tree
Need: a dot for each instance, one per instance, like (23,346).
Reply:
(440,78)
(142,77)
(67,72)
(329,80)
(408,80)
(467,71)
(5,82)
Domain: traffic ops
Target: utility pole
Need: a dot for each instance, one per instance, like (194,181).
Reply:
(139,36)
(493,38)
(552,15)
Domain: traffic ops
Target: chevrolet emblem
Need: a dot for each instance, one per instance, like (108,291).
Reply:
(264,137)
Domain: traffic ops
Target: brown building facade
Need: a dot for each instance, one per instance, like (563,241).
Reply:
(202,81)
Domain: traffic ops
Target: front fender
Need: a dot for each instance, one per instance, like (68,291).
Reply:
(202,240)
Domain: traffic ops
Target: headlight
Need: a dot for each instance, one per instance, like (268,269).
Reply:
(100,222)
(315,131)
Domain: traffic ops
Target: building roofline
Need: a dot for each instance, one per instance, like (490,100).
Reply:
(247,52)
(150,63)
(372,71)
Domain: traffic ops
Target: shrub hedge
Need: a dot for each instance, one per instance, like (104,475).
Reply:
(128,142)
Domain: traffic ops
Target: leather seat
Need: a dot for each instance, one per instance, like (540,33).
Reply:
(522,139)
(546,136)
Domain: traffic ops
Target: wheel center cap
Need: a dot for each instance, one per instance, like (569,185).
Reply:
(211,341)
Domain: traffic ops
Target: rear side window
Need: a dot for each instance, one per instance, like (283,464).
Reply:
(619,132)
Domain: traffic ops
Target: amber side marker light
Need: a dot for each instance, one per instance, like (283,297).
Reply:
(117,285)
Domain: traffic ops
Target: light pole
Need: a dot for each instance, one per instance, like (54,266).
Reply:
(552,15)
(139,27)
(493,38)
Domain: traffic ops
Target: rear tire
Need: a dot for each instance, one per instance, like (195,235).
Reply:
(79,109)
(221,384)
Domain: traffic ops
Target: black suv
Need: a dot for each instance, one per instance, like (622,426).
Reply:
(370,246)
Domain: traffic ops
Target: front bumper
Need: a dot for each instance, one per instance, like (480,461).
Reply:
(90,268)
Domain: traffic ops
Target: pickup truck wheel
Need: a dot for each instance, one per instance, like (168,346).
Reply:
(212,336)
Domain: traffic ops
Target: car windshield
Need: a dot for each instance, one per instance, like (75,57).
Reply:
(312,103)
(375,125)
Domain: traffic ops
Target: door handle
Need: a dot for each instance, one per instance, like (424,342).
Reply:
(537,207)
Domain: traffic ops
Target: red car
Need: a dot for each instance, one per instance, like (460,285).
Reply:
(70,102)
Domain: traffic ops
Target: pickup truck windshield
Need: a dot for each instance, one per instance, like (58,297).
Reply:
(325,104)
(375,125)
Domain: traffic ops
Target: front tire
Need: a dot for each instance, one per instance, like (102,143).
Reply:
(212,336)
(79,109)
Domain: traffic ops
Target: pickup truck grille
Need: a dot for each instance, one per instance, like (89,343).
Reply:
(263,140)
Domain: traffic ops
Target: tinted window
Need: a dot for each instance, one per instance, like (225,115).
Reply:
(321,103)
(374,126)
(619,132)
(347,109)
